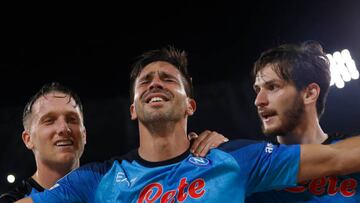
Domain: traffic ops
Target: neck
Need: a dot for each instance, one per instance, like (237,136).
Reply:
(160,142)
(47,175)
(307,132)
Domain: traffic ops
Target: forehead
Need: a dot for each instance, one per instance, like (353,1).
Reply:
(267,74)
(159,67)
(54,101)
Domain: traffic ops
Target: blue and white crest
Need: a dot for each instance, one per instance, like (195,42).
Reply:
(199,161)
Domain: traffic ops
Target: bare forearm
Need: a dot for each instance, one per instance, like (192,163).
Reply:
(335,159)
(25,200)
(347,156)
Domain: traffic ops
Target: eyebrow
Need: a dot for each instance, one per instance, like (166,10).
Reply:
(147,76)
(167,75)
(267,83)
(52,114)
(162,74)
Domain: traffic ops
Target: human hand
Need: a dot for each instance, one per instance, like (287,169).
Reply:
(201,144)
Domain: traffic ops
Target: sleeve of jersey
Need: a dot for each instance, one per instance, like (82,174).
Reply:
(267,166)
(77,186)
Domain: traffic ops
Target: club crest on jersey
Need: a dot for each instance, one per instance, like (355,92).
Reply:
(199,161)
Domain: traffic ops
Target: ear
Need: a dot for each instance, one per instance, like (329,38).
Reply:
(26,137)
(311,93)
(191,107)
(133,112)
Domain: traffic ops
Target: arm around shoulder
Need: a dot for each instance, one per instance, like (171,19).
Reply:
(340,158)
(25,200)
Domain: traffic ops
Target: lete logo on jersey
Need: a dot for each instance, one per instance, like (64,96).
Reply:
(154,192)
(328,185)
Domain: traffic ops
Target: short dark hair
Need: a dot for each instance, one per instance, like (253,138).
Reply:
(46,89)
(168,54)
(301,65)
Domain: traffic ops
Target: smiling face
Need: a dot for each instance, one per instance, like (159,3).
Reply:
(280,106)
(159,94)
(56,133)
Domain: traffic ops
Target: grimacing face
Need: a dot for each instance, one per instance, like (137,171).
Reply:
(280,106)
(159,94)
(56,131)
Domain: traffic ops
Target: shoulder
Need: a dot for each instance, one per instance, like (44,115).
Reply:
(234,145)
(250,149)
(130,156)
(100,168)
(25,188)
(334,137)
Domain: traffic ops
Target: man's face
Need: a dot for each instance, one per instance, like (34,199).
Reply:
(280,106)
(159,94)
(56,131)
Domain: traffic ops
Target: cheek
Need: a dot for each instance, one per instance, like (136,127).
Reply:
(41,141)
(136,97)
(284,104)
(45,133)
(138,92)
(136,107)
(284,107)
(80,132)
(279,99)
(181,91)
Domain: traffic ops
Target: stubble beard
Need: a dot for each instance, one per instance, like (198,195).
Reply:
(163,115)
(289,119)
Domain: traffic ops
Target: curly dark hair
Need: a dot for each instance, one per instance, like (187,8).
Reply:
(168,54)
(301,65)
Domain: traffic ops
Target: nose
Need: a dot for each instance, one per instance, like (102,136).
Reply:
(156,82)
(261,99)
(63,128)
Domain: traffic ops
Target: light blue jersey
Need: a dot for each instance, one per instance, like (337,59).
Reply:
(227,174)
(333,189)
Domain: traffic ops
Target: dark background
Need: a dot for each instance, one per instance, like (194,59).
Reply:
(90,49)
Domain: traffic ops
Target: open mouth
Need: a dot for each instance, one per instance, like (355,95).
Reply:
(64,143)
(156,97)
(266,115)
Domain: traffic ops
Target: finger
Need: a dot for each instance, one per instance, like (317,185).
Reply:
(219,139)
(202,141)
(215,140)
(196,142)
(209,145)
(192,136)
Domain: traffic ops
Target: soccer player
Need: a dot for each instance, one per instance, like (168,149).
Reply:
(54,130)
(162,170)
(292,82)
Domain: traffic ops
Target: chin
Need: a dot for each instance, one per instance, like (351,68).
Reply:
(271,131)
(67,158)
